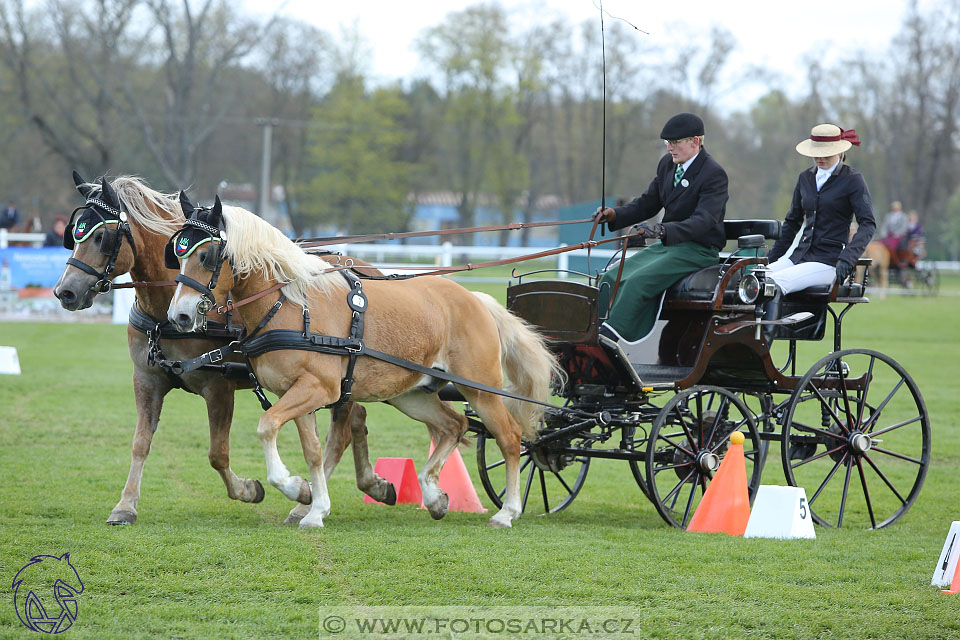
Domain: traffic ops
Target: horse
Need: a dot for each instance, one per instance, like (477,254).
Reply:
(901,261)
(430,321)
(143,220)
(42,575)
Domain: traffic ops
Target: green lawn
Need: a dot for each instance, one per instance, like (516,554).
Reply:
(198,565)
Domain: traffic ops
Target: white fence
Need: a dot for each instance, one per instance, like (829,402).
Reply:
(443,255)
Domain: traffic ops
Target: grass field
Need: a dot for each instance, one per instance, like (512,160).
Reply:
(198,565)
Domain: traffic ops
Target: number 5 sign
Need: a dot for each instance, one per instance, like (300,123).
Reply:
(780,512)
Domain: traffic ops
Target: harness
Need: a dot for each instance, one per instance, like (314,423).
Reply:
(155,330)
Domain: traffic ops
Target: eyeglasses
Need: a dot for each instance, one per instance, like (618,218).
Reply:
(673,143)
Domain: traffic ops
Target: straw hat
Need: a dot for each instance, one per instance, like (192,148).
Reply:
(827,140)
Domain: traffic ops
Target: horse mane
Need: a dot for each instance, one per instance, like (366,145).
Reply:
(254,245)
(154,211)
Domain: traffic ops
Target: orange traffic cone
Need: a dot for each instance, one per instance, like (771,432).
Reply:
(401,473)
(955,585)
(456,483)
(725,507)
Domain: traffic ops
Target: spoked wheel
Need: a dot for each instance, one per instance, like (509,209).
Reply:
(929,280)
(548,481)
(636,440)
(856,436)
(688,441)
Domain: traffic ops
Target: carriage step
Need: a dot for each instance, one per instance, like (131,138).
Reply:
(793,318)
(654,373)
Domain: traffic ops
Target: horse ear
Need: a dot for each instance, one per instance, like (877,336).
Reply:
(108,194)
(83,186)
(66,556)
(216,214)
(186,205)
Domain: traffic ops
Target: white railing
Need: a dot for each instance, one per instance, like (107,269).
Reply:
(35,238)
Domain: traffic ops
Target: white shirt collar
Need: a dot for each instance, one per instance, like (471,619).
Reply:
(823,174)
(686,165)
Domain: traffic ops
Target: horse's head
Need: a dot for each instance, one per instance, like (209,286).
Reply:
(95,233)
(198,250)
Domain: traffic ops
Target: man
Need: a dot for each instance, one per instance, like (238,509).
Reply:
(691,187)
(9,217)
(895,227)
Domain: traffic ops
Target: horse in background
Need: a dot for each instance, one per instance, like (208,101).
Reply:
(431,321)
(901,262)
(104,246)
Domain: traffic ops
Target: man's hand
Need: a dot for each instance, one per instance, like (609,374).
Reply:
(843,272)
(650,229)
(605,214)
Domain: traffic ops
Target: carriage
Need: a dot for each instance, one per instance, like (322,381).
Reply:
(852,428)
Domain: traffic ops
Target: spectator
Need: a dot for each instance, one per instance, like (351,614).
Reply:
(10,217)
(55,235)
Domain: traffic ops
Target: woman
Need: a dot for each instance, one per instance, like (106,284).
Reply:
(827,197)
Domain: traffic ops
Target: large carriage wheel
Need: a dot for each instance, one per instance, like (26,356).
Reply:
(688,441)
(856,436)
(928,279)
(548,482)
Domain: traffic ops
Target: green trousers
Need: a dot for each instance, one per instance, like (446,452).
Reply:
(646,275)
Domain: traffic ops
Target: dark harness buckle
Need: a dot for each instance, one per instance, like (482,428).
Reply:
(216,355)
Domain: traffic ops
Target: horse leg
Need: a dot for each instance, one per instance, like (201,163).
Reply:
(149,399)
(299,400)
(507,432)
(313,454)
(367,481)
(220,416)
(446,427)
(338,439)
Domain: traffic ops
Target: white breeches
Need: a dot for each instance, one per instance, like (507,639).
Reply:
(790,277)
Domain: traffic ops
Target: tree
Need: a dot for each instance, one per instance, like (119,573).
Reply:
(358,182)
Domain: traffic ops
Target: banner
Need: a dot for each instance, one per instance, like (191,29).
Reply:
(22,267)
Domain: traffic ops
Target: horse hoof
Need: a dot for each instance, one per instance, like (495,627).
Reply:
(293,518)
(305,496)
(500,524)
(259,492)
(442,511)
(122,516)
(308,523)
(391,497)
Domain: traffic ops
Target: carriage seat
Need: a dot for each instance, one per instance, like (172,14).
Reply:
(700,285)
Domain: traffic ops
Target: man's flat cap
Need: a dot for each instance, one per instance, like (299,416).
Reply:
(682,125)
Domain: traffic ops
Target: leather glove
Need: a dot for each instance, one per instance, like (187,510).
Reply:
(607,214)
(650,229)
(843,272)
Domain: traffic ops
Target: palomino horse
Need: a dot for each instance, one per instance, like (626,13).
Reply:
(136,246)
(431,321)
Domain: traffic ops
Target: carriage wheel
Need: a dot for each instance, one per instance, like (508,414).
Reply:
(548,482)
(638,468)
(929,280)
(688,441)
(856,436)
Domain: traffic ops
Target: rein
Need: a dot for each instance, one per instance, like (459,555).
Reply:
(327,240)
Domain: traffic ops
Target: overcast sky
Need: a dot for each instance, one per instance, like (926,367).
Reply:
(776,34)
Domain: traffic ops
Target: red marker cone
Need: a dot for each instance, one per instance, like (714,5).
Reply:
(401,473)
(456,483)
(725,507)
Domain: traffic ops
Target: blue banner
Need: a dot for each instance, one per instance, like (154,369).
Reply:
(28,266)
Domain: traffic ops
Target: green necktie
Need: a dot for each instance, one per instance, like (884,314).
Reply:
(677,175)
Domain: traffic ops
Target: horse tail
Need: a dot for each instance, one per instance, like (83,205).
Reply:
(529,365)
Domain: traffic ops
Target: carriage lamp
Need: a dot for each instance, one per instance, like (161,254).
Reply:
(749,289)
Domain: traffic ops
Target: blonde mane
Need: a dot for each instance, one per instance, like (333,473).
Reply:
(153,211)
(254,245)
